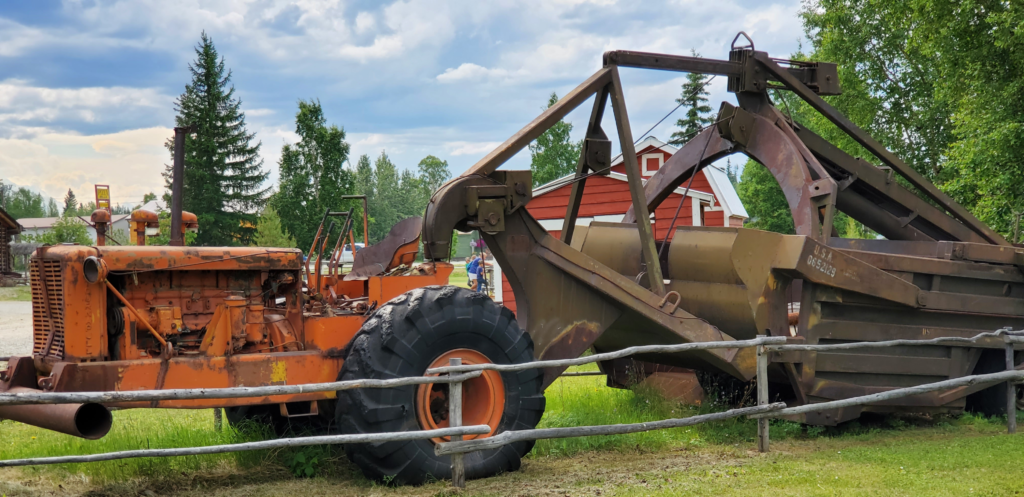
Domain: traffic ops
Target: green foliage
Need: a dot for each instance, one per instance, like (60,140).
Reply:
(763,198)
(980,52)
(731,173)
(938,83)
(433,173)
(70,202)
(67,229)
(553,154)
(164,238)
(23,203)
(269,232)
(388,198)
(6,189)
(223,182)
(136,429)
(694,98)
(304,462)
(313,178)
(392,195)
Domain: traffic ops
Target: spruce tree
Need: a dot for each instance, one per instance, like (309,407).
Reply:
(553,154)
(694,97)
(224,173)
(269,232)
(313,178)
(70,203)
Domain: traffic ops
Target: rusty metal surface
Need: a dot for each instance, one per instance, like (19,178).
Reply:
(594,133)
(399,247)
(942,273)
(89,421)
(636,187)
(915,178)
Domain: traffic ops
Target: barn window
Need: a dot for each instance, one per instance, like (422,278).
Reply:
(650,163)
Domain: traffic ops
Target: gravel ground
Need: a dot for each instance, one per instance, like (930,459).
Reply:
(15,328)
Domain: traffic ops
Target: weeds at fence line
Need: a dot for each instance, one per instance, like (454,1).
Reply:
(301,465)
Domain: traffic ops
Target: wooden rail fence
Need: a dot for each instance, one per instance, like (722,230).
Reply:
(458,373)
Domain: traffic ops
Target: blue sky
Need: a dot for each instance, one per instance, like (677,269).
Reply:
(87,87)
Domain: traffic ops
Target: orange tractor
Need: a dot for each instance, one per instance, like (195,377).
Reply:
(109,318)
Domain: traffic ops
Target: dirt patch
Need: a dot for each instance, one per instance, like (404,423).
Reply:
(593,473)
(15,328)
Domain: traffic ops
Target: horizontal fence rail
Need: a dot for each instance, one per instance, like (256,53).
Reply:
(456,374)
(400,436)
(606,356)
(899,393)
(220,393)
(589,431)
(1013,335)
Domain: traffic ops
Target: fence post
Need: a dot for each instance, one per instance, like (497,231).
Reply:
(1011,389)
(217,419)
(762,395)
(455,421)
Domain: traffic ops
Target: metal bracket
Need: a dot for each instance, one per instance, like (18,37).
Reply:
(490,203)
(822,78)
(599,155)
(846,182)
(735,124)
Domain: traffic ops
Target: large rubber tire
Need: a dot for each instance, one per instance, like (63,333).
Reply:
(402,338)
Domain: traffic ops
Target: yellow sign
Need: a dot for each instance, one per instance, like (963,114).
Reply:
(103,197)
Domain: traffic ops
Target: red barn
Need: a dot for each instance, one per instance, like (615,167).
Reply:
(711,201)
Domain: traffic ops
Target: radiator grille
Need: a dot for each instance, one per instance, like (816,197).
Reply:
(41,324)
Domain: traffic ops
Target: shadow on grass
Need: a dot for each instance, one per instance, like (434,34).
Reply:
(586,401)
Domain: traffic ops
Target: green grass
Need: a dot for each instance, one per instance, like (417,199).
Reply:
(586,401)
(966,456)
(18,293)
(885,455)
(135,429)
(459,277)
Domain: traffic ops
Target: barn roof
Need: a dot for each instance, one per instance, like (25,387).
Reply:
(48,222)
(724,192)
(650,141)
(9,222)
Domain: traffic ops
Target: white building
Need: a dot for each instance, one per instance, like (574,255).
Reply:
(38,225)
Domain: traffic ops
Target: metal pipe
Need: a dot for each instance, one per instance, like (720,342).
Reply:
(366,224)
(320,256)
(163,343)
(90,421)
(400,436)
(309,255)
(177,180)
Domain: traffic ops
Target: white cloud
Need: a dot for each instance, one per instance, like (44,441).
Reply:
(470,148)
(365,22)
(129,161)
(259,112)
(412,77)
(468,71)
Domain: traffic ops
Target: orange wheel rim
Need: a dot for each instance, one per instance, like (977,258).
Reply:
(483,397)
